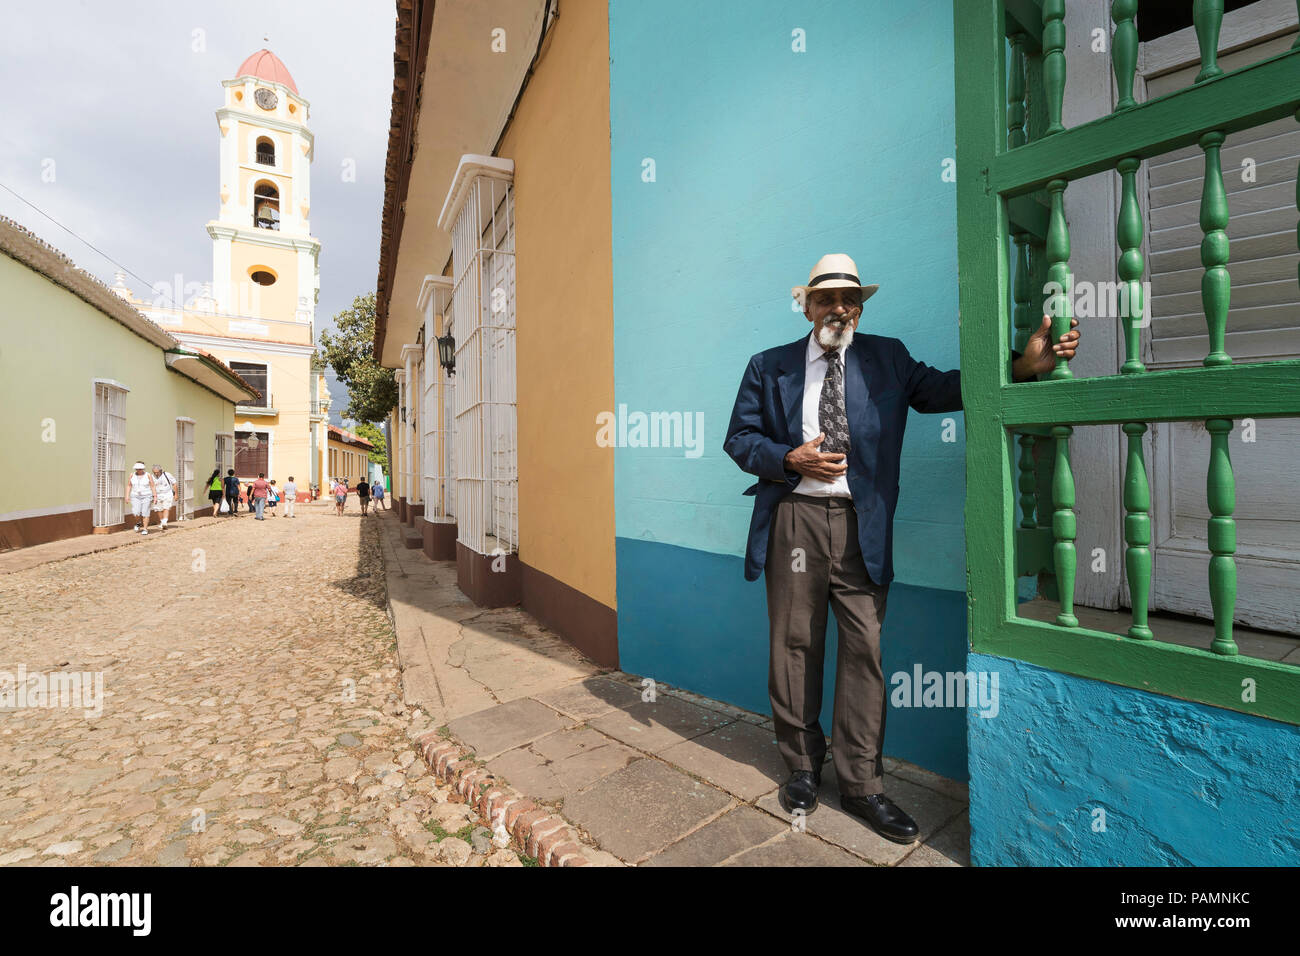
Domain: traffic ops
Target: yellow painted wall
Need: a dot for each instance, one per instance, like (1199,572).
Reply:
(216,323)
(278,301)
(346,461)
(559,140)
(56,345)
(291,427)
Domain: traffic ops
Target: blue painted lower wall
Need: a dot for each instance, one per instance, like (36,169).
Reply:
(690,619)
(1179,783)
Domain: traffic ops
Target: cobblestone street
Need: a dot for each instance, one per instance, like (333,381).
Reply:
(252,711)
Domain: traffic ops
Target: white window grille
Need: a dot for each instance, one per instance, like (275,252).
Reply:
(428,428)
(412,397)
(184,493)
(414,412)
(399,434)
(439,488)
(480,210)
(110,454)
(448,426)
(225,452)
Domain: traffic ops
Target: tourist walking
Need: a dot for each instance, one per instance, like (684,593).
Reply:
(165,486)
(363,495)
(290,497)
(232,491)
(340,495)
(216,490)
(140,495)
(257,492)
(273,498)
(377,492)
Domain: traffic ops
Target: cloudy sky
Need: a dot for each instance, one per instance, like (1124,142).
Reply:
(115,101)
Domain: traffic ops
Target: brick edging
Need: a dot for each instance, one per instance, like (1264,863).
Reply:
(532,828)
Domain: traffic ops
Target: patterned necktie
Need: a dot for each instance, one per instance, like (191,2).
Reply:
(831,417)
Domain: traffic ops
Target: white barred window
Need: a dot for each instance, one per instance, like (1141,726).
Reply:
(225,451)
(184,491)
(480,215)
(448,432)
(439,490)
(110,453)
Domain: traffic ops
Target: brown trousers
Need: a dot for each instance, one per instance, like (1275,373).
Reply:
(814,562)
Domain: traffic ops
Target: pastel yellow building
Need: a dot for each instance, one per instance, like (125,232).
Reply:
(494,305)
(258,312)
(349,457)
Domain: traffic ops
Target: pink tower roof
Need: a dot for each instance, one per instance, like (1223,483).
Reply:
(265,65)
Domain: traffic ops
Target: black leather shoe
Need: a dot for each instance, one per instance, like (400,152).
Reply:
(883,815)
(800,792)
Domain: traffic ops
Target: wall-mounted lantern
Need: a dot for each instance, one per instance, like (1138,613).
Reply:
(447,353)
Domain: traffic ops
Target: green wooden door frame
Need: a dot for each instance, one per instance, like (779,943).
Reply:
(996,184)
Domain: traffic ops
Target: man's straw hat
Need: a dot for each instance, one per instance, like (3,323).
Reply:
(833,271)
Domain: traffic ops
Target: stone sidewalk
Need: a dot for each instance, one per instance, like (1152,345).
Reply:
(20,559)
(644,774)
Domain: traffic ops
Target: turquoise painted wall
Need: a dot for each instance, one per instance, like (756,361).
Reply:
(691,620)
(789,156)
(1180,783)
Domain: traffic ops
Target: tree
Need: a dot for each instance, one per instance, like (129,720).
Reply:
(375,435)
(372,390)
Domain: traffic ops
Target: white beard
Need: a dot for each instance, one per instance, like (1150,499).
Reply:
(828,338)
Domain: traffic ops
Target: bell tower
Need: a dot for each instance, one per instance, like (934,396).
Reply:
(264,258)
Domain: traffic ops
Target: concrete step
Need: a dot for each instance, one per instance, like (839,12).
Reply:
(412,539)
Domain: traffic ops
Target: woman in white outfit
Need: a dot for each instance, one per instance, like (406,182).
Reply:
(165,486)
(140,493)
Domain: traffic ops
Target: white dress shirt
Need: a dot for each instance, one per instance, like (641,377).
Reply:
(814,376)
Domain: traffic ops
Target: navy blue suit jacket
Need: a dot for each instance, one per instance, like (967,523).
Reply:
(881,381)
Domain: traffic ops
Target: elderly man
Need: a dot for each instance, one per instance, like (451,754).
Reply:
(820,422)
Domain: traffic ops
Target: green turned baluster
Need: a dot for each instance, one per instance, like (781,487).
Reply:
(1216,284)
(1124,50)
(1037,280)
(1207,16)
(1028,487)
(1016,111)
(1058,273)
(1137,531)
(1016,137)
(1063,529)
(1023,318)
(1017,115)
(1054,62)
(1128,232)
(1221,495)
(1022,315)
